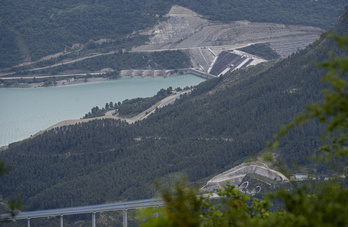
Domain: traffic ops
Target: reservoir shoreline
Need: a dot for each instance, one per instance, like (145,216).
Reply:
(166,101)
(73,79)
(26,112)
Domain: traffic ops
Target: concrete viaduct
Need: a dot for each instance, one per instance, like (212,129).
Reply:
(124,206)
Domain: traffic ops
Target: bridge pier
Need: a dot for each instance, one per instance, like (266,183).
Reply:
(119,206)
(125,218)
(93,219)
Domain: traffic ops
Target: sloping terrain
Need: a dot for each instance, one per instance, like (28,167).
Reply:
(186,29)
(182,29)
(236,174)
(223,122)
(264,178)
(47,30)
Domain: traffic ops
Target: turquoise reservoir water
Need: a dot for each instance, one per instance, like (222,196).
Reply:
(26,111)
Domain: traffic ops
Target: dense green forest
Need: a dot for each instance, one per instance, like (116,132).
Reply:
(30,30)
(307,203)
(132,107)
(221,123)
(263,50)
(118,61)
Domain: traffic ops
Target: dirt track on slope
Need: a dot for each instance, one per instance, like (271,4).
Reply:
(166,101)
(186,29)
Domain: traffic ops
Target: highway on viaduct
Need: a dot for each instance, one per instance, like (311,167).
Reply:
(124,206)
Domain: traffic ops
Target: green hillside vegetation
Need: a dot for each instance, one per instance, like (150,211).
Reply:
(132,107)
(314,13)
(262,50)
(119,61)
(223,121)
(98,112)
(116,62)
(30,30)
(51,81)
(312,204)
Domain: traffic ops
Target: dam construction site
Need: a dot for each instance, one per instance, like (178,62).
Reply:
(213,47)
(217,65)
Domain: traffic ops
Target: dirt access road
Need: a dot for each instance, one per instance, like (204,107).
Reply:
(164,102)
(186,30)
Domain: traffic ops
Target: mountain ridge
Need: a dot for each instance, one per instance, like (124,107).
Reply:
(57,27)
(217,130)
(222,123)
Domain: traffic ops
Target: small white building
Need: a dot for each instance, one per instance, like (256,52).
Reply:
(301,176)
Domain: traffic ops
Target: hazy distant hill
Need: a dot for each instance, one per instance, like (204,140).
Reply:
(31,30)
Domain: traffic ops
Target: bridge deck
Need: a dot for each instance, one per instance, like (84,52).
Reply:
(89,209)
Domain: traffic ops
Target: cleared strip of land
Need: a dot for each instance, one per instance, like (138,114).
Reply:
(164,102)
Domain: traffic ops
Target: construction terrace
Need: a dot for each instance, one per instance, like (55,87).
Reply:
(228,61)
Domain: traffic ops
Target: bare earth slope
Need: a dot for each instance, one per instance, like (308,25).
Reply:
(186,29)
(236,175)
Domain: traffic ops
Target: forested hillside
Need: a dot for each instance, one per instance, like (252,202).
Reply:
(118,61)
(262,50)
(31,30)
(224,121)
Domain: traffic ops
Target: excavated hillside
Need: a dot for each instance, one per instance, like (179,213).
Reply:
(202,39)
(186,29)
(236,174)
